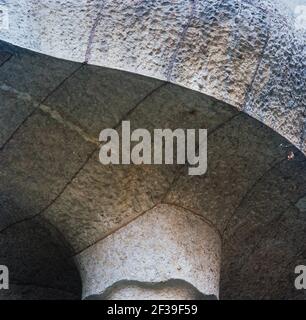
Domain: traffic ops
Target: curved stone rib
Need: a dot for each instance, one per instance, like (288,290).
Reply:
(38,105)
(166,243)
(249,191)
(89,156)
(146,38)
(220,53)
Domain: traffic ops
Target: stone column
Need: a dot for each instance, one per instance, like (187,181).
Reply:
(166,253)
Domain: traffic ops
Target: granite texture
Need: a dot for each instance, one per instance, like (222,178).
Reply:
(239,153)
(246,53)
(57,200)
(40,159)
(138,252)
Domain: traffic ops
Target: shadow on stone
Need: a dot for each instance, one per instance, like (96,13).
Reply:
(173,289)
(38,262)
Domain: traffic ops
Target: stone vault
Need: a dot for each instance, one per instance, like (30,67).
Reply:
(71,227)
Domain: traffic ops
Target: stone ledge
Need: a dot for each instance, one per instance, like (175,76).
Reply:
(247,54)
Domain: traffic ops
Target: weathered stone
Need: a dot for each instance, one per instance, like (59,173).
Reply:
(232,169)
(246,53)
(107,197)
(301,204)
(26,72)
(104,198)
(176,107)
(277,96)
(36,165)
(284,183)
(48,21)
(265,239)
(37,256)
(50,168)
(4,56)
(138,252)
(138,29)
(106,95)
(13,111)
(226,40)
(269,262)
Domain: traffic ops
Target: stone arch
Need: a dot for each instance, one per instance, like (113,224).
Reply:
(246,53)
(63,184)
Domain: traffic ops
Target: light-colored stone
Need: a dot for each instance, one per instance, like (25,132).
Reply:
(48,168)
(246,53)
(135,290)
(164,243)
(103,198)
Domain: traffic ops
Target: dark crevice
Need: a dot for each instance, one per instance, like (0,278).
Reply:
(6,60)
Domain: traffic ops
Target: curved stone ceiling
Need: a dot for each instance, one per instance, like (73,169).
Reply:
(63,214)
(250,54)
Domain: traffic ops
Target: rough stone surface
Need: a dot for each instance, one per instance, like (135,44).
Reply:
(103,198)
(49,170)
(219,52)
(13,112)
(233,168)
(277,96)
(301,204)
(138,252)
(69,22)
(107,95)
(26,72)
(247,53)
(267,237)
(38,262)
(33,174)
(4,56)
(129,190)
